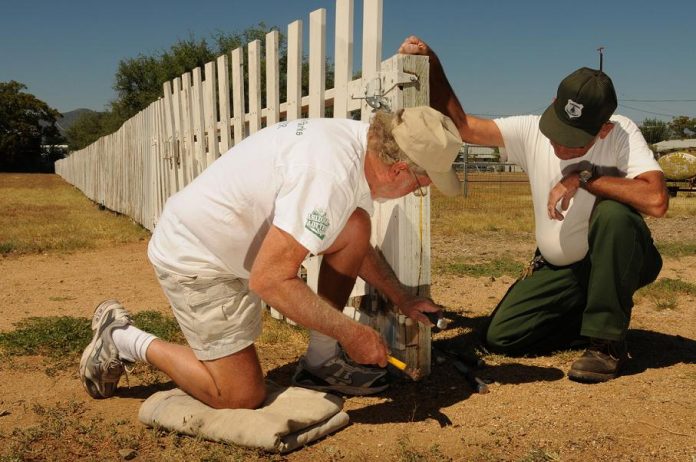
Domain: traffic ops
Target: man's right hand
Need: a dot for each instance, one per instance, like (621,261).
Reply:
(412,45)
(365,346)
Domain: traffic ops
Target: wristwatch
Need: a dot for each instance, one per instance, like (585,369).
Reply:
(586,176)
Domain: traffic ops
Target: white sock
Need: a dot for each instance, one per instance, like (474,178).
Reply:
(132,343)
(321,348)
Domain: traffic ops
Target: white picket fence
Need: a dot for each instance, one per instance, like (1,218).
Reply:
(160,150)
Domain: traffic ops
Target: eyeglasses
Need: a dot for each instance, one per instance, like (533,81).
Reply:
(421,191)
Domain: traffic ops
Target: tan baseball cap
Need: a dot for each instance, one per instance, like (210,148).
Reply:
(431,140)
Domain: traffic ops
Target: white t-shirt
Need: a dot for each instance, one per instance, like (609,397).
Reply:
(306,177)
(623,153)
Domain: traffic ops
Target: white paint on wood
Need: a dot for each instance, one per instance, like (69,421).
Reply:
(210,109)
(171,153)
(317,62)
(372,46)
(178,134)
(223,80)
(294,72)
(343,58)
(254,116)
(198,122)
(272,111)
(238,95)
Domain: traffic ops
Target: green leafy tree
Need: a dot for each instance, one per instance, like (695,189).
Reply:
(139,81)
(683,127)
(26,123)
(136,85)
(89,127)
(655,130)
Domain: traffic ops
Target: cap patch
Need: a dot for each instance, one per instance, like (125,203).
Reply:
(573,109)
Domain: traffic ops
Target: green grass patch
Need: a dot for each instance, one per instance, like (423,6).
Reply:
(496,268)
(61,336)
(677,249)
(160,325)
(663,292)
(42,213)
(52,336)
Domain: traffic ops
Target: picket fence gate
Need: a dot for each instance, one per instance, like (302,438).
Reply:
(161,149)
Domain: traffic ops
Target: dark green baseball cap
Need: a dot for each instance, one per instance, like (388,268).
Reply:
(584,102)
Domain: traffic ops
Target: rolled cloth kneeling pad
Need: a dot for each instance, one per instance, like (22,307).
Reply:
(290,417)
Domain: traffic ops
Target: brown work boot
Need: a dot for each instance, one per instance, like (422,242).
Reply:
(600,362)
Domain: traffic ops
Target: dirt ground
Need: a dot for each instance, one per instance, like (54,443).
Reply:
(533,412)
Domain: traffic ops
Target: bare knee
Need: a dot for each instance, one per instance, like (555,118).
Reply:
(236,381)
(240,399)
(355,234)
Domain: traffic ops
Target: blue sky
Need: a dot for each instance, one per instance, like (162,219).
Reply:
(502,57)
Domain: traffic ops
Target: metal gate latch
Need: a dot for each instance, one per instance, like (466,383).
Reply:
(376,88)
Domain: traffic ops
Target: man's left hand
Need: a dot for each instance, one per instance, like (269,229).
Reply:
(563,192)
(415,307)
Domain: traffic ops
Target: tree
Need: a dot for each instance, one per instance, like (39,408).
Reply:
(89,127)
(655,130)
(138,81)
(26,123)
(683,127)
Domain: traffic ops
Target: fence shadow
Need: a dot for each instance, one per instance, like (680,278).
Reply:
(418,401)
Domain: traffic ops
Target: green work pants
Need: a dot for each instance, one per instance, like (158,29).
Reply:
(556,306)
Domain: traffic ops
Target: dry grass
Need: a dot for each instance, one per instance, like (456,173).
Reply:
(684,205)
(501,204)
(68,432)
(664,292)
(41,213)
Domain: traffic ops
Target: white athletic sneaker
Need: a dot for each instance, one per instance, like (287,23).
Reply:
(100,366)
(341,375)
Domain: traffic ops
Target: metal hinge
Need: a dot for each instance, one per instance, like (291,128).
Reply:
(375,88)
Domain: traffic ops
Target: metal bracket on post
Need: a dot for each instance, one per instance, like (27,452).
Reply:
(375,89)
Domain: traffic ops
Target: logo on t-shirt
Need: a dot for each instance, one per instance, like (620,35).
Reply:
(301,125)
(317,222)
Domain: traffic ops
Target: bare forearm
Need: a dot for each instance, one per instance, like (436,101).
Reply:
(294,299)
(442,96)
(377,272)
(646,193)
(642,196)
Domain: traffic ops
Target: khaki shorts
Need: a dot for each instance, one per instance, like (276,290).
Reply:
(219,316)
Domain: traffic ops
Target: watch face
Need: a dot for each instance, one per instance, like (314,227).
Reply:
(585,176)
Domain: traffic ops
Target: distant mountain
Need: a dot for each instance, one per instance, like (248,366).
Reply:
(69,118)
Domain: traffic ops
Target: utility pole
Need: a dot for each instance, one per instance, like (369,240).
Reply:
(601,58)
